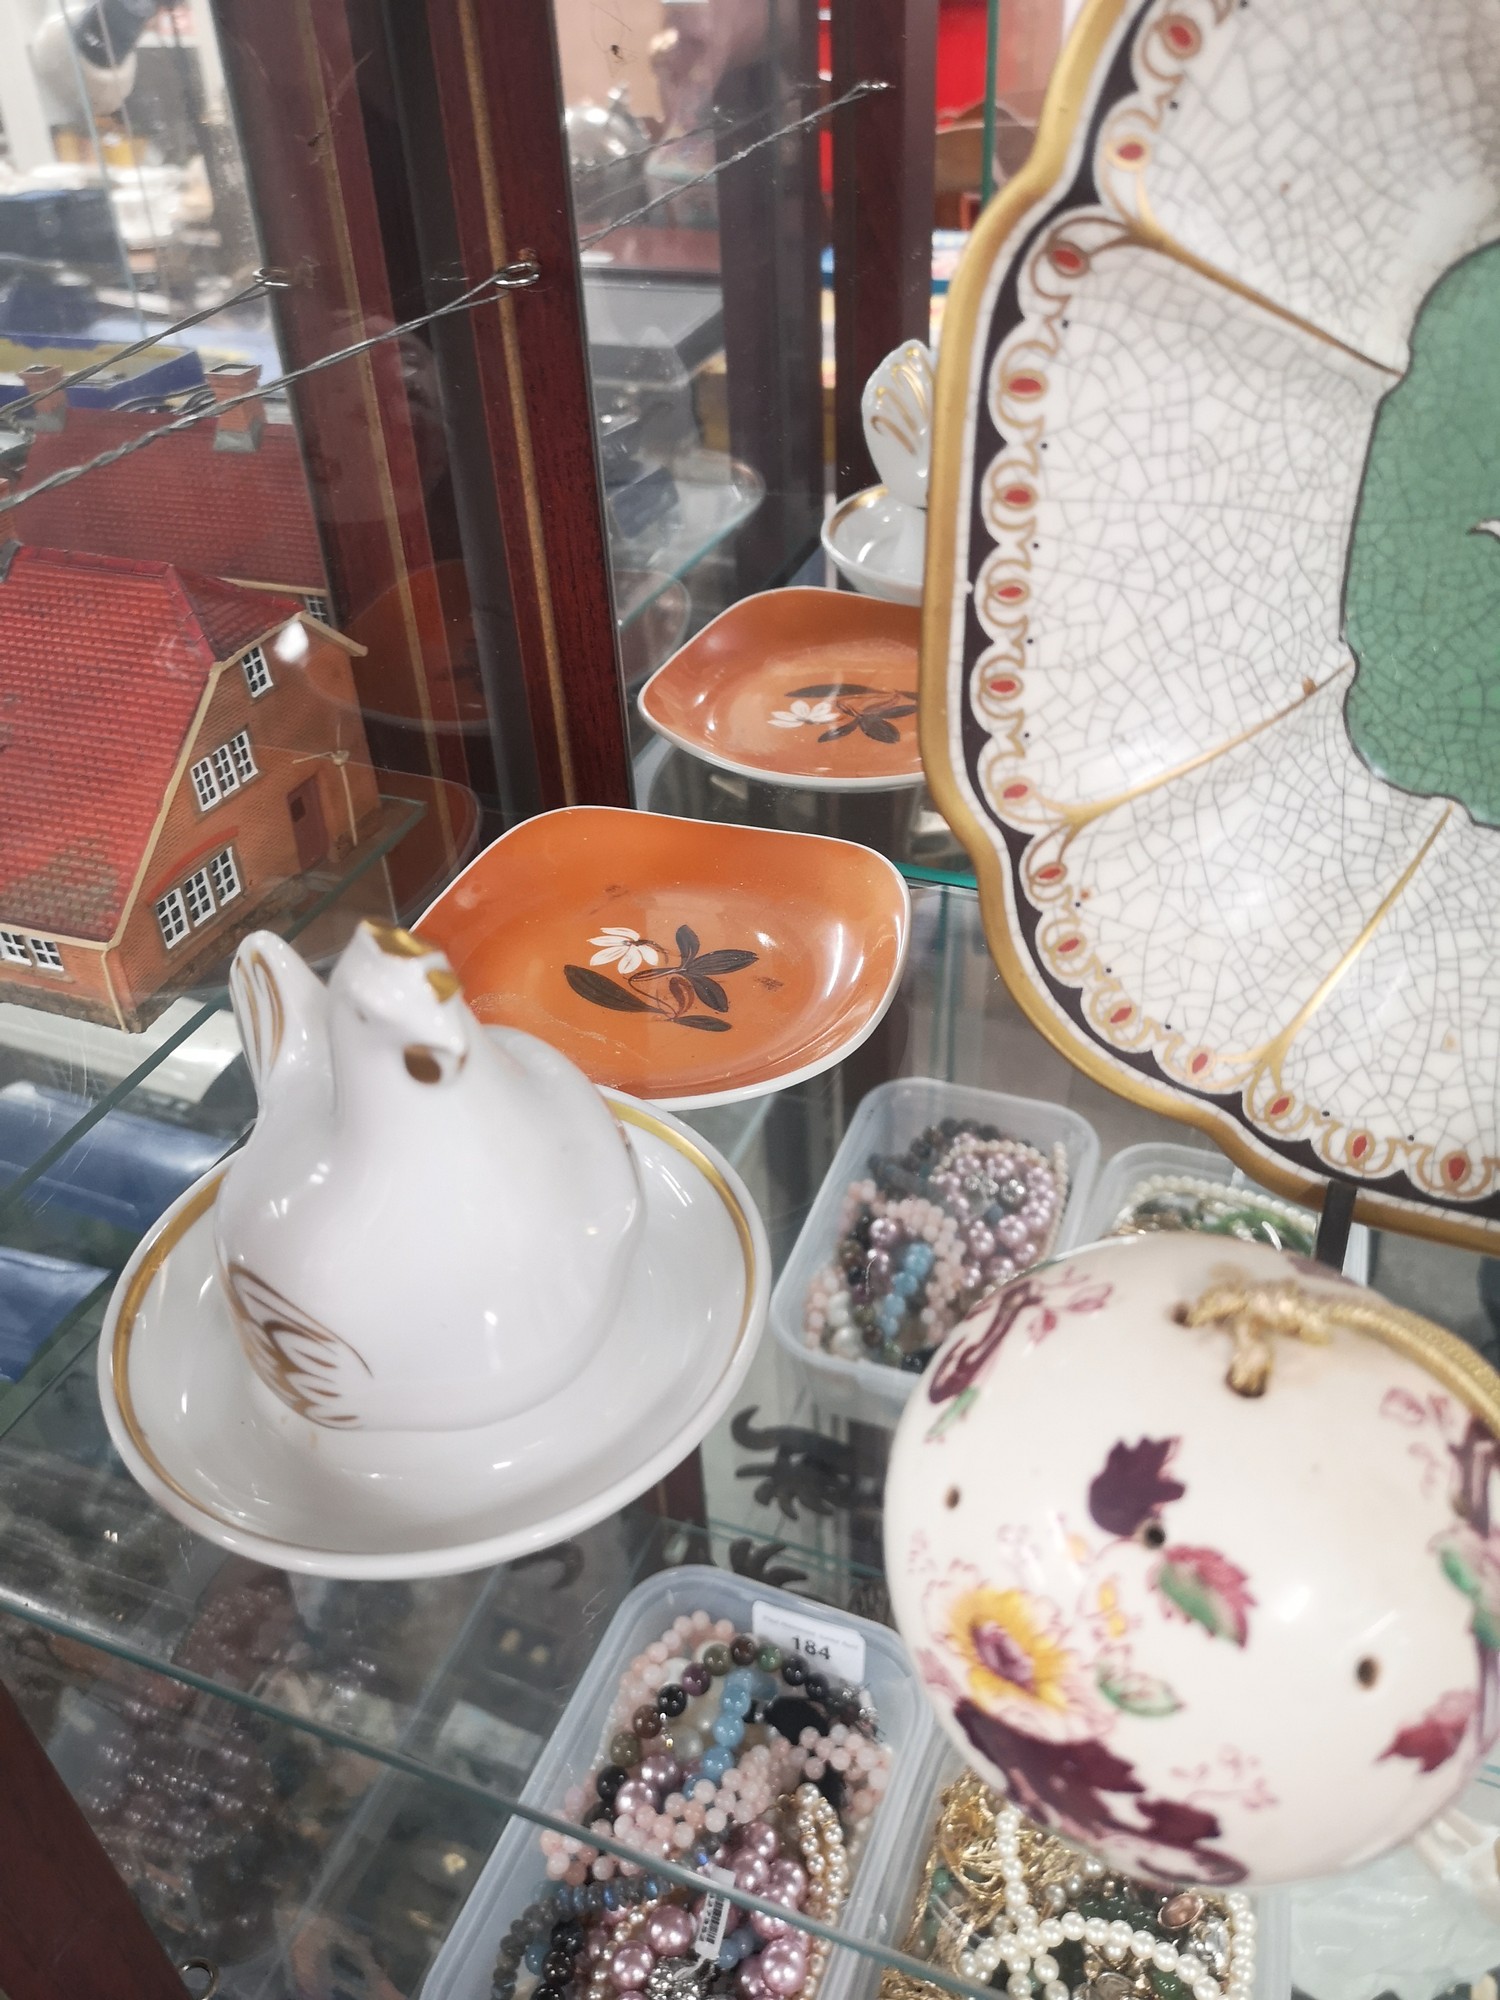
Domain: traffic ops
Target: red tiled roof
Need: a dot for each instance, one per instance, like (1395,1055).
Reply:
(102,665)
(243,514)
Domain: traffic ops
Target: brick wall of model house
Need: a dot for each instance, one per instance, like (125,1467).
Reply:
(308,708)
(74,982)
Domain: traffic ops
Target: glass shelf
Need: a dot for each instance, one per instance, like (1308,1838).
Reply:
(435,1699)
(715,496)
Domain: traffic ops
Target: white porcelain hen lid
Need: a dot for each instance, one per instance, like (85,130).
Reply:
(1193,1546)
(431,1222)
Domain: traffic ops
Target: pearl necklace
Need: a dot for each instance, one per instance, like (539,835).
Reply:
(1023,1941)
(821,1839)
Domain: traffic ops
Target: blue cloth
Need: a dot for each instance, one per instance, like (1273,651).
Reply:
(36,1296)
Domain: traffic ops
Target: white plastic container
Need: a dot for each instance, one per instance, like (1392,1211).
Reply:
(464,1966)
(898,1891)
(886,1122)
(1123,1174)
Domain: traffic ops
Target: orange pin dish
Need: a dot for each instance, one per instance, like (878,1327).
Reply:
(682,961)
(816,688)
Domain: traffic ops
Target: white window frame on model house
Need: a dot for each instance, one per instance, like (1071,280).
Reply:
(38,954)
(198,897)
(171,918)
(226,767)
(257,671)
(224,874)
(317,607)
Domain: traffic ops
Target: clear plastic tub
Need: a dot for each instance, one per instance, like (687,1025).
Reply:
(941,1765)
(463,1968)
(886,1122)
(1125,1172)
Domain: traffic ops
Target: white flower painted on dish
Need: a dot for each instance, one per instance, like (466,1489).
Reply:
(617,945)
(818,712)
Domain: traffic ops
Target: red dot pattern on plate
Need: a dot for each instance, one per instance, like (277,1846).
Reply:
(1130,152)
(1050,873)
(1017,496)
(1456,1168)
(1279,1105)
(1005,685)
(1181,36)
(1025,386)
(1068,944)
(1200,1062)
(1067,258)
(1120,1014)
(1015,791)
(1011,593)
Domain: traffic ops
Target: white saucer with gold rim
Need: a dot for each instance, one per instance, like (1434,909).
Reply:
(205,1437)
(879,544)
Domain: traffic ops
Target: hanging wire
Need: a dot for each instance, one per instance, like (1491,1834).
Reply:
(511,278)
(868,88)
(263,282)
(582,168)
(517,276)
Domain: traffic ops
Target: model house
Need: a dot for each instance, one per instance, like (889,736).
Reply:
(227,497)
(177,756)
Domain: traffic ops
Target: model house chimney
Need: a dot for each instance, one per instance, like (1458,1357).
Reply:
(50,409)
(238,429)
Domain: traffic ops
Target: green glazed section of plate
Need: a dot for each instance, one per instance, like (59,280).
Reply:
(1422,600)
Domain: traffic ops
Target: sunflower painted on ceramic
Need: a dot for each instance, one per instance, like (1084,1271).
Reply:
(1011,1654)
(1006,1638)
(1211,685)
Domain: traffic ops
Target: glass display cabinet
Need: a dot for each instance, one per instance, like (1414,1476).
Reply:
(387,393)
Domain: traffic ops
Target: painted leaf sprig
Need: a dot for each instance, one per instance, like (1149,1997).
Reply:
(1432,1741)
(1134,1486)
(1134,1693)
(653,985)
(873,711)
(603,991)
(1471,1563)
(1205,1587)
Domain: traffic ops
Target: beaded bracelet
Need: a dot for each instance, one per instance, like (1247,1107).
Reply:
(725,1755)
(924,1236)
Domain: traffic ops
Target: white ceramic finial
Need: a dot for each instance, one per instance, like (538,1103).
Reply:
(897,409)
(431,1222)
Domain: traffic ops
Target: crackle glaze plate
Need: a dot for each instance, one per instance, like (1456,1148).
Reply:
(221,1454)
(685,962)
(1213,584)
(816,688)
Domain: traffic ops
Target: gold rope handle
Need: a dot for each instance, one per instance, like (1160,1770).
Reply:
(1256,1314)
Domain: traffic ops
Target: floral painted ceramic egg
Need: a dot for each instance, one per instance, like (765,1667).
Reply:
(1197,1551)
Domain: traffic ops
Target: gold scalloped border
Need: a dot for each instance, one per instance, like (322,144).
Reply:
(1069,100)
